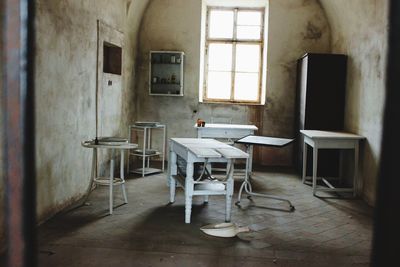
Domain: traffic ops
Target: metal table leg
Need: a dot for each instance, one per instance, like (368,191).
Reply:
(246,185)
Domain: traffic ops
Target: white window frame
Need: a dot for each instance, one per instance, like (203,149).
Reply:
(234,41)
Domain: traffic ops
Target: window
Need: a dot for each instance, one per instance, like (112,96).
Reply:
(233,55)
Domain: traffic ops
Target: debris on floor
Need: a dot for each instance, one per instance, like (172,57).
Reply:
(223,229)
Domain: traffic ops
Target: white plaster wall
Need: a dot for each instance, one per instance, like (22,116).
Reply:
(65,80)
(359,29)
(295,27)
(65,94)
(134,20)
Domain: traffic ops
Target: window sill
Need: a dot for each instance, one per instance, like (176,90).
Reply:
(231,103)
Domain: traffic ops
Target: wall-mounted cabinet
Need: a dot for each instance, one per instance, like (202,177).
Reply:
(166,73)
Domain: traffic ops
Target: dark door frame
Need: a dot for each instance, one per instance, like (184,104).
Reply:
(385,249)
(18,115)
(17,54)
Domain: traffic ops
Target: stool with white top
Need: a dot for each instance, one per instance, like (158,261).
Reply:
(111,181)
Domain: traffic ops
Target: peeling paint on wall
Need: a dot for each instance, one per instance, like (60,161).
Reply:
(362,35)
(313,32)
(176,25)
(65,78)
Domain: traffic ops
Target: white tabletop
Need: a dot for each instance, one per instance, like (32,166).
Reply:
(264,141)
(206,142)
(143,126)
(316,134)
(116,145)
(205,148)
(228,126)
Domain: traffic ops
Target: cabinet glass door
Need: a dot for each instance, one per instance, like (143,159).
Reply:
(166,73)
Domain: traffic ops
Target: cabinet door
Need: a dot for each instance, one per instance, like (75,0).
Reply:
(303,68)
(322,81)
(325,89)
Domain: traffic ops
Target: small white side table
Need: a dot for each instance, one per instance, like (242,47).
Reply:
(111,180)
(329,140)
(146,152)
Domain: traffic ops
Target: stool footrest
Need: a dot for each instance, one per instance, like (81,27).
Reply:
(106,181)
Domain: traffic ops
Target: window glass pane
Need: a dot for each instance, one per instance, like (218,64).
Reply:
(248,58)
(249,18)
(219,85)
(249,32)
(246,86)
(220,57)
(221,24)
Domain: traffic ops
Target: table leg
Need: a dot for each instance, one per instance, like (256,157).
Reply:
(123,177)
(229,191)
(111,180)
(93,175)
(305,147)
(355,178)
(148,146)
(130,141)
(315,167)
(163,150)
(250,165)
(245,182)
(172,170)
(188,191)
(144,150)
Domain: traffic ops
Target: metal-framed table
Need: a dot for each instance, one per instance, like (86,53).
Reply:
(329,140)
(194,150)
(146,151)
(111,180)
(249,142)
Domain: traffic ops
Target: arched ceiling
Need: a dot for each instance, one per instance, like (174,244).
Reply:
(136,9)
(346,17)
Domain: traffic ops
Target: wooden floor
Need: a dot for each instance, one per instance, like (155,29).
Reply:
(149,232)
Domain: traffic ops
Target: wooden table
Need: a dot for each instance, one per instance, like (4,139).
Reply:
(206,151)
(111,180)
(329,140)
(249,142)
